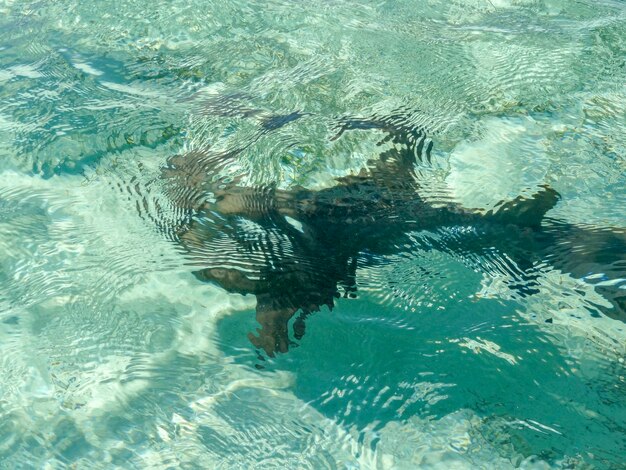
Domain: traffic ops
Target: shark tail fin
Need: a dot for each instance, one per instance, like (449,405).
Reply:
(527,212)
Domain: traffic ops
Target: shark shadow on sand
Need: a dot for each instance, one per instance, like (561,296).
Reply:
(298,250)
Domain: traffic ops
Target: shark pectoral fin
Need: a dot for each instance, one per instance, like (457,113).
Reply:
(273,316)
(527,212)
(230,279)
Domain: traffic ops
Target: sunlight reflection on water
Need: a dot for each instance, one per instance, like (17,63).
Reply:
(113,354)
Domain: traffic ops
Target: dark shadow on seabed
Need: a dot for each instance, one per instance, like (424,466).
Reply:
(299,250)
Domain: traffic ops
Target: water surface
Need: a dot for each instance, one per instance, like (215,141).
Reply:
(113,354)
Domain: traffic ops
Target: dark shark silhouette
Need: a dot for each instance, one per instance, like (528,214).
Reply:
(299,250)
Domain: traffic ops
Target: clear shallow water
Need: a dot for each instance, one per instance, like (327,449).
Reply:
(113,354)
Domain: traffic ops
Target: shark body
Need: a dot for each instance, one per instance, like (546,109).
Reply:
(298,250)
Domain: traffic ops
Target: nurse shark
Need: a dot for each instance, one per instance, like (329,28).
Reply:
(298,250)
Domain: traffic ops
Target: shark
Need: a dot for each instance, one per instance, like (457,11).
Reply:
(298,250)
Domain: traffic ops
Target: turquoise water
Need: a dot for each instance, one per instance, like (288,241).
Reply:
(113,354)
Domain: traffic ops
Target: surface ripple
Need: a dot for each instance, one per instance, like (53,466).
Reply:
(278,151)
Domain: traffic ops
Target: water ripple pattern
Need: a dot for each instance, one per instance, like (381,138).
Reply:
(324,234)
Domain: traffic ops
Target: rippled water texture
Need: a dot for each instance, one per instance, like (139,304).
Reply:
(423,201)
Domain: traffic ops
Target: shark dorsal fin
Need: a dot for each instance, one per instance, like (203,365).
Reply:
(527,212)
